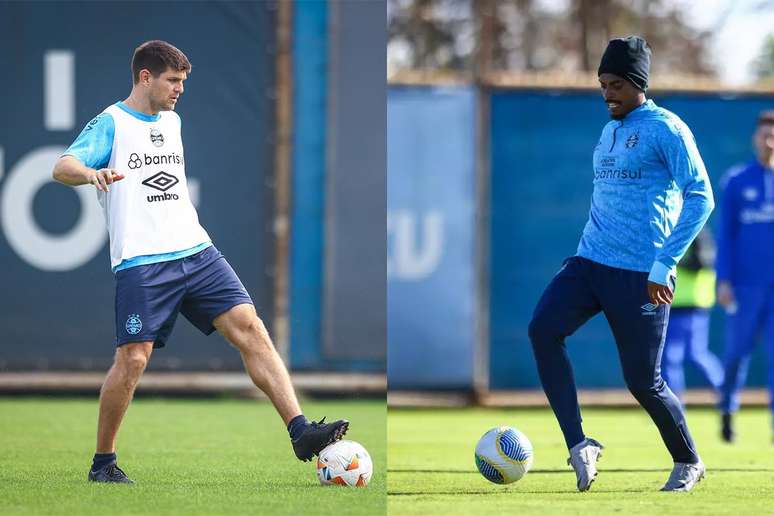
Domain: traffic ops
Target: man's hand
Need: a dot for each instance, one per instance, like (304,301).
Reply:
(726,297)
(104,177)
(659,294)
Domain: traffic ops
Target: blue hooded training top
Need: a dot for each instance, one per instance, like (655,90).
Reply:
(746,237)
(651,194)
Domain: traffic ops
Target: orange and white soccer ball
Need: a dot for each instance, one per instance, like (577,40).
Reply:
(344,463)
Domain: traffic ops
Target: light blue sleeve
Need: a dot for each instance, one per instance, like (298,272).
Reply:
(95,143)
(682,159)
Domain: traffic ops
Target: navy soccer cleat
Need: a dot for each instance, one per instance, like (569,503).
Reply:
(316,436)
(110,474)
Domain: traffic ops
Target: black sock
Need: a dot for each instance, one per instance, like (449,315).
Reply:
(102,459)
(297,426)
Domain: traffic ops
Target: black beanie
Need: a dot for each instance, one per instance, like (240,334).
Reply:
(628,58)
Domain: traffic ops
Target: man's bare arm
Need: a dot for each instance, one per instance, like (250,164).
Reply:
(70,171)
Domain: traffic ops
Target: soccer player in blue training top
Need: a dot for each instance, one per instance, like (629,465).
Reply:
(164,261)
(745,266)
(646,167)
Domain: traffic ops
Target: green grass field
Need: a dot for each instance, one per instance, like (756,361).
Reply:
(186,457)
(432,471)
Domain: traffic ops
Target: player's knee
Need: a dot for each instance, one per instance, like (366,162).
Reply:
(638,391)
(253,336)
(136,362)
(132,360)
(642,388)
(256,327)
(540,330)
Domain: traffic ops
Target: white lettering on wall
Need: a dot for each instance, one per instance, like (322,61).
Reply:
(417,244)
(59,90)
(36,246)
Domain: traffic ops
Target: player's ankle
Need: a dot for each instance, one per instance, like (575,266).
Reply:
(102,459)
(297,425)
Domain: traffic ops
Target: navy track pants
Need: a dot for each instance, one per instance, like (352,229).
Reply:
(581,289)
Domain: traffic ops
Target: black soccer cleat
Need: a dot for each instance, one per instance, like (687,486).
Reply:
(110,474)
(316,436)
(727,429)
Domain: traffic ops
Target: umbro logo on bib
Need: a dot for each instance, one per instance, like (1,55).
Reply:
(161,181)
(156,137)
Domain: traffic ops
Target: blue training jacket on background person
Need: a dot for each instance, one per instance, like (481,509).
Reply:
(746,236)
(651,194)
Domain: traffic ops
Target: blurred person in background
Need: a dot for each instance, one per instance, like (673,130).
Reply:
(646,166)
(745,268)
(164,261)
(687,337)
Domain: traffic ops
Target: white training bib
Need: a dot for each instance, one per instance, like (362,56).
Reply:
(149,211)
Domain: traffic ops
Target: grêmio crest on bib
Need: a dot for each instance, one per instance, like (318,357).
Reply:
(156,137)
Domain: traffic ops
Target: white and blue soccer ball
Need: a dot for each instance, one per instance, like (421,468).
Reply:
(344,463)
(503,455)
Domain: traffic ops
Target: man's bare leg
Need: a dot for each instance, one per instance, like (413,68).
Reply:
(117,391)
(246,332)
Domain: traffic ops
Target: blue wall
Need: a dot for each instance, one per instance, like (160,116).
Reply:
(337,287)
(310,62)
(430,271)
(541,145)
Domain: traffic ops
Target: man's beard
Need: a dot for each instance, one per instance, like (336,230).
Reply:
(163,106)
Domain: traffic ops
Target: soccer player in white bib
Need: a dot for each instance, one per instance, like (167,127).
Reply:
(163,259)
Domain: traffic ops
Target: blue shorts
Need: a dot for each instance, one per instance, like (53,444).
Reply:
(149,297)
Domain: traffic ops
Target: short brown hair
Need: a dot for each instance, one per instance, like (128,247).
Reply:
(766,117)
(156,56)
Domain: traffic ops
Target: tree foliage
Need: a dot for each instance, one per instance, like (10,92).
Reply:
(524,35)
(764,65)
